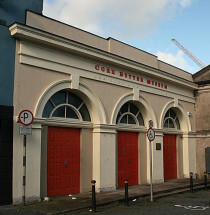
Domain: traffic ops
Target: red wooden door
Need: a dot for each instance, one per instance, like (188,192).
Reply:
(127,158)
(170,158)
(63,161)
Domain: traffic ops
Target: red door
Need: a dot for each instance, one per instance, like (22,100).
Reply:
(127,158)
(169,154)
(63,161)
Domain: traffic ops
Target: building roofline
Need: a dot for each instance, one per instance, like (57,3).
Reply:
(102,51)
(108,38)
(201,72)
(175,67)
(202,82)
(131,46)
(68,25)
(112,39)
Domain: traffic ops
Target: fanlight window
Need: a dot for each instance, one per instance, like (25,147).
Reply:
(171,120)
(65,104)
(129,114)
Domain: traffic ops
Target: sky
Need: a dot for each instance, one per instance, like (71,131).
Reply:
(145,24)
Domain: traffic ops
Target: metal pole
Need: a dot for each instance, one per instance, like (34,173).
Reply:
(191,182)
(151,183)
(24,170)
(126,192)
(93,196)
(205,181)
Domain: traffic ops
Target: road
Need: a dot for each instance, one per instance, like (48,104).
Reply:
(181,204)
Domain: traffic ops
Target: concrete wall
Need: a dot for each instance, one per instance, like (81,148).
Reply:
(66,31)
(86,158)
(202,116)
(174,70)
(203,75)
(121,49)
(33,164)
(202,110)
(104,159)
(108,45)
(104,89)
(202,142)
(142,158)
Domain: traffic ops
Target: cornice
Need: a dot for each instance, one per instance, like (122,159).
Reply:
(24,32)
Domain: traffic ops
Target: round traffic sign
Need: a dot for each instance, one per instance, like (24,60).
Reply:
(151,134)
(26,117)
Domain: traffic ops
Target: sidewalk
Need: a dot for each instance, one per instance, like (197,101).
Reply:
(64,204)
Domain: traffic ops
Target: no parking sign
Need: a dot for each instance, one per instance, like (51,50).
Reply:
(26,117)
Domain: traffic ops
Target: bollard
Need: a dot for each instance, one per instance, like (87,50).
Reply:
(191,182)
(205,180)
(126,192)
(93,196)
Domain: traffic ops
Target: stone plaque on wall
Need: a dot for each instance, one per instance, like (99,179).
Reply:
(158,146)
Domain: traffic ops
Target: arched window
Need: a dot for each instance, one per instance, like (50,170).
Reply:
(171,120)
(129,114)
(65,104)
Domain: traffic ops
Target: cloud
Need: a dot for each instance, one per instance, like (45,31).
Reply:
(119,18)
(177,60)
(185,3)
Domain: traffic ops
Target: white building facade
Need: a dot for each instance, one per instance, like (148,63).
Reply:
(92,99)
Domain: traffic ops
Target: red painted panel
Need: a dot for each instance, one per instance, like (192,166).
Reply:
(170,157)
(127,158)
(63,147)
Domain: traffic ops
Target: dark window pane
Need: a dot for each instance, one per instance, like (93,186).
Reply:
(172,114)
(47,109)
(166,124)
(60,112)
(140,119)
(118,116)
(133,109)
(59,98)
(124,120)
(71,113)
(131,120)
(124,108)
(171,124)
(85,113)
(167,114)
(74,100)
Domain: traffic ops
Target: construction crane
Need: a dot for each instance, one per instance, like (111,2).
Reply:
(187,52)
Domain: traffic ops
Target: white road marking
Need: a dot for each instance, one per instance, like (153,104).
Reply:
(193,208)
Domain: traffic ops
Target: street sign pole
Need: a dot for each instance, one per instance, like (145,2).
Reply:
(151,182)
(151,137)
(24,170)
(26,118)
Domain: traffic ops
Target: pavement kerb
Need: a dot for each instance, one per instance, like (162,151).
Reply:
(156,195)
(117,198)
